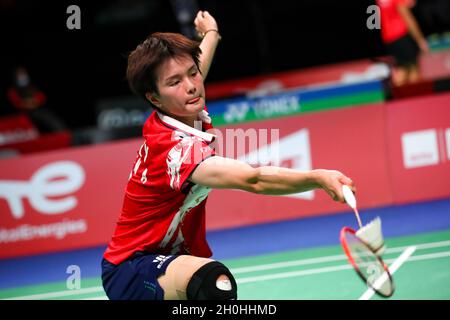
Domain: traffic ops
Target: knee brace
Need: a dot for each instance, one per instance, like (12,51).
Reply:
(204,285)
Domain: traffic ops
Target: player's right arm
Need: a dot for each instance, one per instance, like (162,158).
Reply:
(224,173)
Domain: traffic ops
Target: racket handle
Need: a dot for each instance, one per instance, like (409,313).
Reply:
(349,196)
(351,201)
(357,217)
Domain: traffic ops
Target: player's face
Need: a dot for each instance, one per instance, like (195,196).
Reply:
(181,89)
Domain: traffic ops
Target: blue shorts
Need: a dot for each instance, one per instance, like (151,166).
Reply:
(135,278)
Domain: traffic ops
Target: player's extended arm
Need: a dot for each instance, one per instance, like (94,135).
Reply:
(413,27)
(224,173)
(204,23)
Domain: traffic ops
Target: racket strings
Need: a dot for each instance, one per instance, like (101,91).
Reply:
(369,266)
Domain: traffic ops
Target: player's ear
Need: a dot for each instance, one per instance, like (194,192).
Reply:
(153,98)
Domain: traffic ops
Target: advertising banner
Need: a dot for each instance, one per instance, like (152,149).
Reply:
(43,142)
(348,72)
(435,65)
(350,140)
(71,198)
(295,102)
(419,148)
(64,199)
(16,129)
(396,152)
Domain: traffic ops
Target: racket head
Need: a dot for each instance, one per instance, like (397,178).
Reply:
(370,267)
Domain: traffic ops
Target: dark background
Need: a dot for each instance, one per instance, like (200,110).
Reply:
(77,68)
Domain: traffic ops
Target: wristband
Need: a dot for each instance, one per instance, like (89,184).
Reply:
(215,30)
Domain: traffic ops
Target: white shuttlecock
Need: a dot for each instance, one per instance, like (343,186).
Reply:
(371,234)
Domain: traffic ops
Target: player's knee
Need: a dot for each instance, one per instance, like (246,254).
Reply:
(212,281)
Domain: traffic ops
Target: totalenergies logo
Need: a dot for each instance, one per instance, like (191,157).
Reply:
(49,190)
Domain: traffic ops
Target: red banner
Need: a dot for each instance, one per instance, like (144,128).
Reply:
(44,142)
(419,148)
(350,140)
(397,152)
(16,129)
(435,65)
(64,199)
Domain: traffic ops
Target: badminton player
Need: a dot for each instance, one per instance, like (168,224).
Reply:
(159,249)
(403,39)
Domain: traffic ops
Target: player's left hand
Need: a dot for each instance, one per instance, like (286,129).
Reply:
(204,22)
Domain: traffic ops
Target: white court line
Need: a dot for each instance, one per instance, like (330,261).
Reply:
(392,268)
(430,256)
(427,245)
(319,270)
(332,268)
(96,298)
(67,293)
(285,264)
(338,257)
(57,294)
(293,273)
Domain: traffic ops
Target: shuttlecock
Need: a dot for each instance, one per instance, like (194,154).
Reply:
(372,235)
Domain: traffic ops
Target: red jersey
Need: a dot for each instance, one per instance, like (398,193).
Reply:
(393,27)
(163,212)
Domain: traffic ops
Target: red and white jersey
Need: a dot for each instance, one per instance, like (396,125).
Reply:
(163,212)
(393,27)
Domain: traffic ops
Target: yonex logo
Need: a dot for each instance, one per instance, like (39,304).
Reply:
(268,107)
(236,111)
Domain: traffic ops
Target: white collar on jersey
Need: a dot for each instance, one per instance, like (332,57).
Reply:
(203,115)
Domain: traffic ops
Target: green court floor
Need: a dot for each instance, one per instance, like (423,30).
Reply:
(318,273)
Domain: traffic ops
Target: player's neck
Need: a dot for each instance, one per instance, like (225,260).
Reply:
(190,121)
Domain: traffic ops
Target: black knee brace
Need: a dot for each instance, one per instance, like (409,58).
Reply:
(202,285)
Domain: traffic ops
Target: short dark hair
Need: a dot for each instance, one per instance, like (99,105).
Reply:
(158,47)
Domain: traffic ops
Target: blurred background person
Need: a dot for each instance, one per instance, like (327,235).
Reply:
(403,39)
(30,100)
